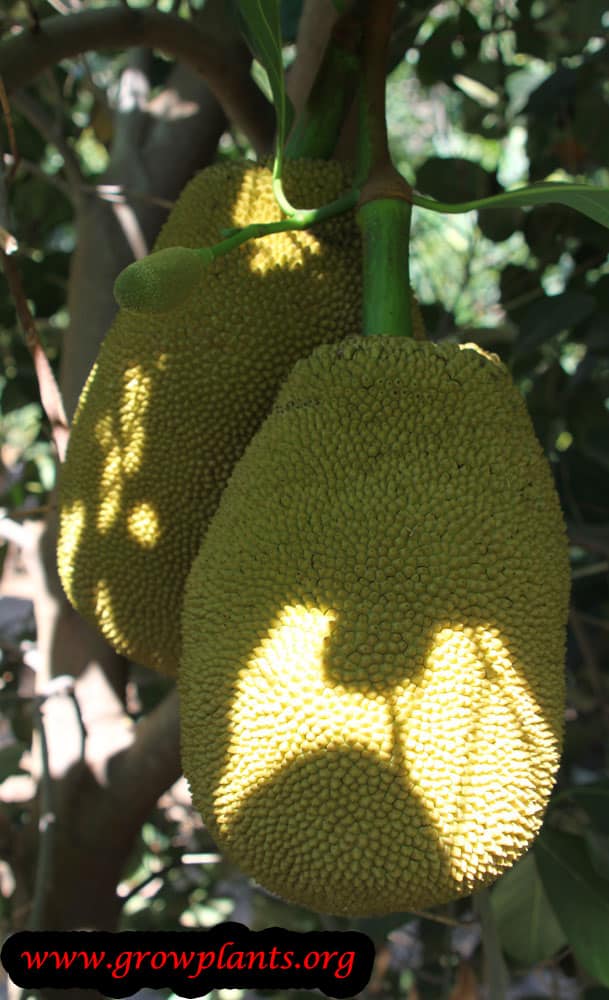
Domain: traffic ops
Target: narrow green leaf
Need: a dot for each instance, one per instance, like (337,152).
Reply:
(590,201)
(527,928)
(263,30)
(579,898)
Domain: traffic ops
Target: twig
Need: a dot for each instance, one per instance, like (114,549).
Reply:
(60,7)
(116,193)
(6,109)
(50,396)
(121,195)
(131,229)
(438,919)
(595,570)
(81,723)
(23,58)
(22,513)
(177,863)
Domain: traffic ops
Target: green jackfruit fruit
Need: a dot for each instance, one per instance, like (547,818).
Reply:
(163,280)
(174,397)
(373,633)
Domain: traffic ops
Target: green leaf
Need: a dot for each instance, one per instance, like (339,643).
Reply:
(580,898)
(584,198)
(527,928)
(263,31)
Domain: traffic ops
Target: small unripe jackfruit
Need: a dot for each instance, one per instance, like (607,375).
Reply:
(174,397)
(373,633)
(163,280)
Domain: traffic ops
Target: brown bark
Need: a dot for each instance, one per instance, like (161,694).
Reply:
(25,56)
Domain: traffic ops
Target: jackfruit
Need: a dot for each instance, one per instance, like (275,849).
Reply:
(174,397)
(161,281)
(373,633)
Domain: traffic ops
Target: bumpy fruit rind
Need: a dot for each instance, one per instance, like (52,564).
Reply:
(372,682)
(174,398)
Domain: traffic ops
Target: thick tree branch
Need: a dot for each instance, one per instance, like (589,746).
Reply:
(151,764)
(25,56)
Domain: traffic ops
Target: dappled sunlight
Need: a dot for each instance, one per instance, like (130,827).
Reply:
(118,510)
(434,784)
(104,611)
(111,488)
(263,257)
(398,489)
(286,251)
(73,522)
(136,396)
(471,731)
(301,711)
(143,525)
(123,450)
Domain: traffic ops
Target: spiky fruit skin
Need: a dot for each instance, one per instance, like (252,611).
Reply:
(373,633)
(174,398)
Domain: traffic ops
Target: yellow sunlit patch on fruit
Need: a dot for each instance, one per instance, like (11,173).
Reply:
(175,396)
(143,525)
(372,682)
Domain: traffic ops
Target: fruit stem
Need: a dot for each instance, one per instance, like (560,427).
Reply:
(385,204)
(385,227)
(301,218)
